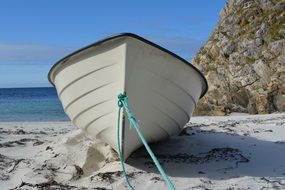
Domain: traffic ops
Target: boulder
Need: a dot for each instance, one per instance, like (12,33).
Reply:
(279,102)
(244,59)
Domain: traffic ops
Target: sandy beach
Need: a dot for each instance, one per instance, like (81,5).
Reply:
(232,152)
(129,72)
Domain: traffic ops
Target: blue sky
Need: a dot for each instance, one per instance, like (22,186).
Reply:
(35,34)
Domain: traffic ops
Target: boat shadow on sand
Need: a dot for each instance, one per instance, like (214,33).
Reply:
(221,152)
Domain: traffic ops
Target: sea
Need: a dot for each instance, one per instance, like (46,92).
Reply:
(30,104)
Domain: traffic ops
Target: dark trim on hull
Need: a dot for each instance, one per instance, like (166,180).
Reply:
(138,38)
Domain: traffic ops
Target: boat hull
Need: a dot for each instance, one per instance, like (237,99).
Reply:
(163,91)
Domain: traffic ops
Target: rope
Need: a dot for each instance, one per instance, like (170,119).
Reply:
(119,148)
(123,103)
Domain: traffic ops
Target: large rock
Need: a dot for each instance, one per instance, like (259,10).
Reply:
(244,59)
(262,70)
(279,102)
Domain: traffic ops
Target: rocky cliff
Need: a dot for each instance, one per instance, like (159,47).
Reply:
(244,59)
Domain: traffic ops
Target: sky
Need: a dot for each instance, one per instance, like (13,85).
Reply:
(34,34)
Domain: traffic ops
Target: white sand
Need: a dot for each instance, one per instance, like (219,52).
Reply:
(234,152)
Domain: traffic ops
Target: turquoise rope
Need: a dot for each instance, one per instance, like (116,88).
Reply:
(123,103)
(120,152)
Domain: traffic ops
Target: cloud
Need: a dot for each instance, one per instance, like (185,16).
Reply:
(183,46)
(31,53)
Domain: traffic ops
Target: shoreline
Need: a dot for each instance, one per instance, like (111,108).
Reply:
(234,114)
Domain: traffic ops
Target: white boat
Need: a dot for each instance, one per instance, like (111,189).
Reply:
(163,89)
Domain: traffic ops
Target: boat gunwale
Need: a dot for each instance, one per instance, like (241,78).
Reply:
(120,35)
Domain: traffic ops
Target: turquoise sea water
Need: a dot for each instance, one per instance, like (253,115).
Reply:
(30,104)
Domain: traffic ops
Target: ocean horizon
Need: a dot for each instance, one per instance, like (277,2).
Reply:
(30,104)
